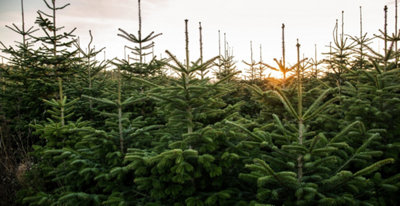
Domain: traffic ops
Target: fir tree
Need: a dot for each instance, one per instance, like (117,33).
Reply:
(89,80)
(252,65)
(142,45)
(261,67)
(369,97)
(226,64)
(189,169)
(313,166)
(282,67)
(340,53)
(56,59)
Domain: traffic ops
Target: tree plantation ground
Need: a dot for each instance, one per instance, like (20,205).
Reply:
(79,131)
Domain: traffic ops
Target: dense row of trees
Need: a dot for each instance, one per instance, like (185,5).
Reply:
(76,133)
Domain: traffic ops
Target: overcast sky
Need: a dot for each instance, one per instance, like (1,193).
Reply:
(260,21)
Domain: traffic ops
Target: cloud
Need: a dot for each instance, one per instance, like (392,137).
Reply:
(111,9)
(107,9)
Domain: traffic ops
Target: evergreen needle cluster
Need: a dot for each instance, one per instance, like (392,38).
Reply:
(78,131)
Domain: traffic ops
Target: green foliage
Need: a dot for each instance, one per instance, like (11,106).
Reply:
(128,134)
(310,164)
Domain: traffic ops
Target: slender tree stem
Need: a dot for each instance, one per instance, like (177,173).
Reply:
(300,113)
(342,36)
(23,24)
(125,52)
(252,62)
(385,9)
(342,43)
(251,52)
(225,47)
(283,45)
(3,88)
(90,70)
(361,40)
(61,100)
(140,34)
(60,84)
(152,50)
(187,78)
(395,34)
(219,51)
(121,138)
(187,45)
(201,50)
(299,87)
(316,61)
(283,56)
(261,68)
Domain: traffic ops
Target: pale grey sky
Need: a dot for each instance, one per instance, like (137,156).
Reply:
(311,21)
